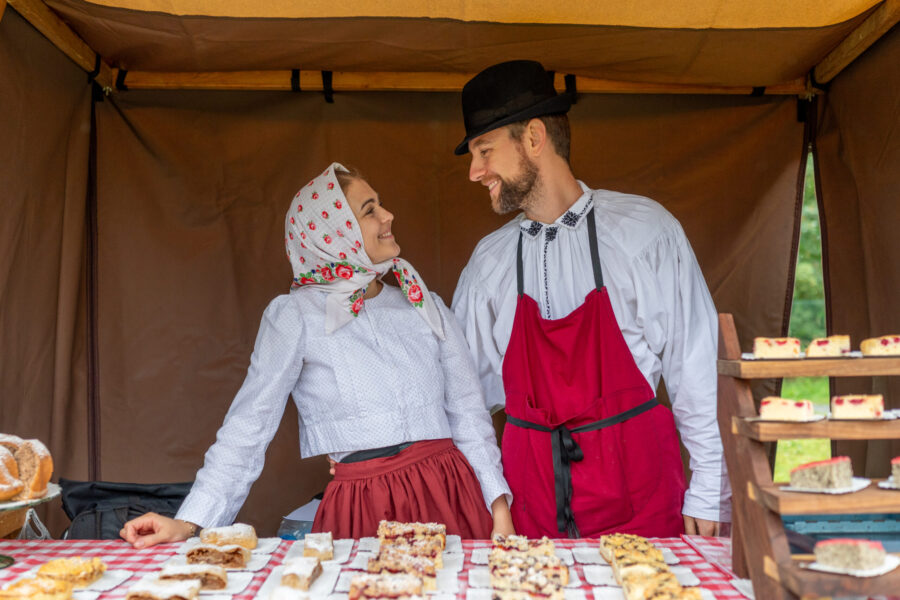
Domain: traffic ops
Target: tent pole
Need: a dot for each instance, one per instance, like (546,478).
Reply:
(344,81)
(869,31)
(54,29)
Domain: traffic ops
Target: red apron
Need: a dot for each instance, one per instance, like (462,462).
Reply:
(587,449)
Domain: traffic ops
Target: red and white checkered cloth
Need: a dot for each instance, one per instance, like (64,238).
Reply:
(119,555)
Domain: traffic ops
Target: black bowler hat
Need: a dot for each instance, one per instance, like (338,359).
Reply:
(507,93)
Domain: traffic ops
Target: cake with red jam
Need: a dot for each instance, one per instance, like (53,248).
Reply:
(766,347)
(857,406)
(886,345)
(829,474)
(833,345)
(895,470)
(774,408)
(850,554)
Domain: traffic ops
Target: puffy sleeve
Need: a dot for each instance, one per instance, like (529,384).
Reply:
(675,307)
(470,423)
(475,313)
(235,460)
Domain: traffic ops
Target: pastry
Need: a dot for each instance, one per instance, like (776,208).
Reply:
(764,347)
(783,409)
(651,585)
(35,468)
(557,594)
(239,533)
(833,345)
(849,554)
(164,590)
(211,577)
(429,547)
(520,543)
(829,474)
(37,588)
(319,545)
(529,574)
(399,587)
(230,557)
(78,571)
(395,529)
(886,345)
(10,442)
(299,573)
(390,560)
(895,470)
(608,543)
(10,484)
(857,406)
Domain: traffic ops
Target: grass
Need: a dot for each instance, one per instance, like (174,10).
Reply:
(796,452)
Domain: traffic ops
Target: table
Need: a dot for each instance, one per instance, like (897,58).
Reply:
(713,572)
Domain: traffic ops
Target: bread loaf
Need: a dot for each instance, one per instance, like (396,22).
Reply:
(10,484)
(35,468)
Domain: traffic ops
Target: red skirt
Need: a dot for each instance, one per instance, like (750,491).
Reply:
(431,481)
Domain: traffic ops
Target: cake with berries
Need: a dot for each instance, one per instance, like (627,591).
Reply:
(835,473)
(857,406)
(766,347)
(397,529)
(831,346)
(886,345)
(520,543)
(850,554)
(773,408)
(393,586)
(895,470)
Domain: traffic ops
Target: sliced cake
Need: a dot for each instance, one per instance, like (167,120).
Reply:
(429,547)
(857,406)
(301,572)
(78,571)
(895,470)
(164,590)
(835,473)
(392,561)
(773,408)
(319,545)
(230,557)
(850,554)
(395,587)
(831,346)
(520,543)
(766,347)
(395,529)
(239,533)
(886,345)
(211,577)
(39,588)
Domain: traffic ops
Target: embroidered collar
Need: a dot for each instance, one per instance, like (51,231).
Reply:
(569,219)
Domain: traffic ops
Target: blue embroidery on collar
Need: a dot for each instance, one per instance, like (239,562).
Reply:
(533,228)
(570,219)
(551,233)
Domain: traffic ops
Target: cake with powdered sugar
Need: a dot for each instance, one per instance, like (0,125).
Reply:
(850,554)
(211,577)
(857,406)
(164,590)
(300,572)
(239,533)
(829,474)
(319,545)
(773,408)
(230,557)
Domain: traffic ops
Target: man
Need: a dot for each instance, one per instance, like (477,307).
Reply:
(573,311)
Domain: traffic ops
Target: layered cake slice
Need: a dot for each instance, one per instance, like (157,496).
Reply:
(765,347)
(857,406)
(833,345)
(300,572)
(429,547)
(230,557)
(211,577)
(395,587)
(164,590)
(239,533)
(319,545)
(886,345)
(895,470)
(520,543)
(850,554)
(830,474)
(608,544)
(397,529)
(783,409)
(392,561)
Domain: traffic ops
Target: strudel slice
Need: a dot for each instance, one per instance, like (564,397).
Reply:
(857,406)
(833,345)
(211,577)
(395,587)
(824,474)
(319,545)
(395,529)
(37,588)
(300,572)
(885,345)
(850,554)
(230,557)
(391,560)
(169,590)
(239,533)
(765,347)
(520,543)
(78,571)
(783,409)
(429,547)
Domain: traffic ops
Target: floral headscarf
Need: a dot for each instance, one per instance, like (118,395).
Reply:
(324,245)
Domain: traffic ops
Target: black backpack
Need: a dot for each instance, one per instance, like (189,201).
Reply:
(99,509)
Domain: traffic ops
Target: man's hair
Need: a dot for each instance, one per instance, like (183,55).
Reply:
(557,131)
(345,178)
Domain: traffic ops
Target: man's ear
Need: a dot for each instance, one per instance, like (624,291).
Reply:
(535,137)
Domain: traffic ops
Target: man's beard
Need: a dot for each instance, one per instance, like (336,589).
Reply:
(518,194)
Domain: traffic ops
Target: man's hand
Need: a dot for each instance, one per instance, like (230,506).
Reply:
(502,517)
(695,526)
(151,529)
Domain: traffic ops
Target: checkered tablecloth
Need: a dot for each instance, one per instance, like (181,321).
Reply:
(120,556)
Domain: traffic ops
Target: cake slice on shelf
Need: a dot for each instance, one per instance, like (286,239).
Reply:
(773,408)
(886,345)
(832,474)
(850,554)
(784,347)
(857,406)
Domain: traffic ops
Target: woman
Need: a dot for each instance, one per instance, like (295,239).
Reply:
(381,377)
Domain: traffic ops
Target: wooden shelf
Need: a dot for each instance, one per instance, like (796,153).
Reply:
(834,430)
(869,500)
(806,583)
(811,367)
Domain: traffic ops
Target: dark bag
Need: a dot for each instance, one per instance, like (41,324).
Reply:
(99,509)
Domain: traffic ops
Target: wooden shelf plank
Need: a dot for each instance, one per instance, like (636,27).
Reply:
(806,583)
(833,430)
(817,367)
(869,500)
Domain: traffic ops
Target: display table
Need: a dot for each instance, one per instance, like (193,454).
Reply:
(122,557)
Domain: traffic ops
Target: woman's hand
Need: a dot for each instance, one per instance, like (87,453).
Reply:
(502,517)
(151,529)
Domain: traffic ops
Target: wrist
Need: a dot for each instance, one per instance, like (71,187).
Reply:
(190,529)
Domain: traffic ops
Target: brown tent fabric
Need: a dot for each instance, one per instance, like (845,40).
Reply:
(44,125)
(858,156)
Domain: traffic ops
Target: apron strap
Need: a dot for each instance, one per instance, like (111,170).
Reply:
(565,450)
(595,256)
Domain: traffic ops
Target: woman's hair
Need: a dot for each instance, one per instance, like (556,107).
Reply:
(346,177)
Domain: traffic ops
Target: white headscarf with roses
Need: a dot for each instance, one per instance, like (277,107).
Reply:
(325,248)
